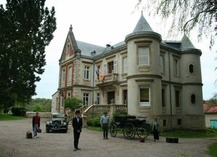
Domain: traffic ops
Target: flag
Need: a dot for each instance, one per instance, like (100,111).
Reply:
(101,76)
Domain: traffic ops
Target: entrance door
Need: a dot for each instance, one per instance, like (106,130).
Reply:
(111,97)
(213,123)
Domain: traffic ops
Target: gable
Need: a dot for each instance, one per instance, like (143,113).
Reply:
(68,49)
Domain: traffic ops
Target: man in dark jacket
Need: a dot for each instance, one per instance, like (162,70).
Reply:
(35,124)
(77,126)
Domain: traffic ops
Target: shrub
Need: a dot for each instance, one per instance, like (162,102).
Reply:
(18,111)
(118,116)
(38,108)
(94,122)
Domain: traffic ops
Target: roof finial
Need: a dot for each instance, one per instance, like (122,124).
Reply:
(70,28)
(142,12)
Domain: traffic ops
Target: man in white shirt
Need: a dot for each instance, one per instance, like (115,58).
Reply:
(104,121)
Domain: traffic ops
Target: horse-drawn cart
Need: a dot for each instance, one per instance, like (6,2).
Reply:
(130,127)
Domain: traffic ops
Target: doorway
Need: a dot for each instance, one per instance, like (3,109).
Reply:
(111,97)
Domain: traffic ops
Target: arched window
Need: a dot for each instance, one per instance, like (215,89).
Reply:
(191,68)
(193,99)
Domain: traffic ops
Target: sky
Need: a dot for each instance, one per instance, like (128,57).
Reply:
(102,22)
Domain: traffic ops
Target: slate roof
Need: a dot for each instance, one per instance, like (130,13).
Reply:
(186,43)
(210,108)
(90,50)
(142,25)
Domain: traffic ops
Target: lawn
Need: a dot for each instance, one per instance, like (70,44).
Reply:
(190,133)
(212,150)
(9,117)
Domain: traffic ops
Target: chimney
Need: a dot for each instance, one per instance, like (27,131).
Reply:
(108,45)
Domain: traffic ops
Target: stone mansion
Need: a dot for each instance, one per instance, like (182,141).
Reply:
(154,78)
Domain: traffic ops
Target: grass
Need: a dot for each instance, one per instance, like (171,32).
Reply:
(94,128)
(190,133)
(9,117)
(212,150)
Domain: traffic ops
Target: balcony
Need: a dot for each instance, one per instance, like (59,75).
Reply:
(110,79)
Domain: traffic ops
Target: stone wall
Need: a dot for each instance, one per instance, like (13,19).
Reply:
(41,114)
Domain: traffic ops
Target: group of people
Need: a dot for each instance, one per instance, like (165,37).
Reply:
(77,124)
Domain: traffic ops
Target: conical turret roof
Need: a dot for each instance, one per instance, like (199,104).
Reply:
(186,43)
(142,29)
(142,25)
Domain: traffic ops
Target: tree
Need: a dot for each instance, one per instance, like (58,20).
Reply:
(73,103)
(212,101)
(26,28)
(38,108)
(186,15)
(45,103)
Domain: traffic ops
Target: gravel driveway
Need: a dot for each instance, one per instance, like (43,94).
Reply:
(13,143)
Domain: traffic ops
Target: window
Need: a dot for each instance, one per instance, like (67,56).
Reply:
(98,71)
(69,76)
(164,122)
(161,64)
(115,66)
(63,74)
(105,69)
(85,98)
(163,97)
(193,99)
(86,72)
(144,97)
(125,96)
(176,67)
(68,94)
(143,55)
(179,122)
(110,67)
(97,98)
(191,68)
(67,50)
(125,65)
(177,97)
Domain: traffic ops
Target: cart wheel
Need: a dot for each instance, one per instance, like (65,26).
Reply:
(113,130)
(129,131)
(142,132)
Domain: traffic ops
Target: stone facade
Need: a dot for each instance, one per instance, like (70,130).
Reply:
(155,78)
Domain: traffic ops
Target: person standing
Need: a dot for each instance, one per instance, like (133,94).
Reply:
(104,121)
(77,128)
(155,129)
(35,124)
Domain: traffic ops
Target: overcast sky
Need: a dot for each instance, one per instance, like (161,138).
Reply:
(104,22)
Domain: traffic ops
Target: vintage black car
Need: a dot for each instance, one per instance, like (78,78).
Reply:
(57,123)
